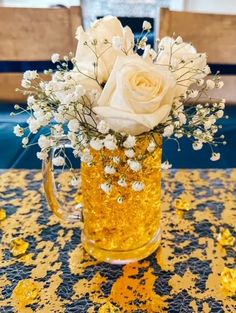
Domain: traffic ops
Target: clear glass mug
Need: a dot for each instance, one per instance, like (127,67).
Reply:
(120,226)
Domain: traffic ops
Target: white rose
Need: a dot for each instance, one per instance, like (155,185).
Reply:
(137,97)
(103,30)
(188,72)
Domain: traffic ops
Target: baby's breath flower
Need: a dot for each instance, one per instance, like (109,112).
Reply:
(30,75)
(26,83)
(18,130)
(103,127)
(129,142)
(58,161)
(151,147)
(85,156)
(121,182)
(197,145)
(220,113)
(109,170)
(137,186)
(96,144)
(147,25)
(210,84)
(42,155)
(116,160)
(30,101)
(168,131)
(129,153)
(200,82)
(25,141)
(44,142)
(178,40)
(219,84)
(134,165)
(73,125)
(166,165)
(120,200)
(215,156)
(110,142)
(106,187)
(55,57)
(34,125)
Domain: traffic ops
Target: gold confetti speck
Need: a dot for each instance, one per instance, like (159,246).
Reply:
(3,214)
(182,204)
(19,246)
(225,238)
(26,292)
(108,308)
(228,280)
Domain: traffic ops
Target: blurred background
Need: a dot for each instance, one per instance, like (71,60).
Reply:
(218,27)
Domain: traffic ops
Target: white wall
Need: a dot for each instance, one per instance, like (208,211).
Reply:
(210,6)
(41,3)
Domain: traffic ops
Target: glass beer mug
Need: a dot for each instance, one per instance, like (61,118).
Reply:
(123,224)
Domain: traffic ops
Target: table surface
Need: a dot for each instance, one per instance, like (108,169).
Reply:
(182,276)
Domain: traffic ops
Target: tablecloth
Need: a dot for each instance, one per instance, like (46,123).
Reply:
(183,275)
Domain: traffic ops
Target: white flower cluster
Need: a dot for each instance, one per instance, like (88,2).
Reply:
(100,100)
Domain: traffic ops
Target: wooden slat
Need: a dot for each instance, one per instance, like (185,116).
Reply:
(35,34)
(211,33)
(8,84)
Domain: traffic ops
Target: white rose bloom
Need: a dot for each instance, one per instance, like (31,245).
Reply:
(117,42)
(129,142)
(73,125)
(103,127)
(109,170)
(103,30)
(137,97)
(182,51)
(18,130)
(44,142)
(215,156)
(138,186)
(96,144)
(134,165)
(58,161)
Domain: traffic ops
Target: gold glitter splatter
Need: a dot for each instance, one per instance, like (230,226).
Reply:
(225,238)
(228,280)
(19,246)
(26,292)
(182,204)
(108,308)
(3,214)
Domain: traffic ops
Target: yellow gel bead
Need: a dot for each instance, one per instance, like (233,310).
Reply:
(26,292)
(3,214)
(225,238)
(228,279)
(18,246)
(182,204)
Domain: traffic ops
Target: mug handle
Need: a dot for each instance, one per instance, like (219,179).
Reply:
(60,208)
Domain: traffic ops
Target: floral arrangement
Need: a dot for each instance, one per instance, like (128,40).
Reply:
(118,92)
